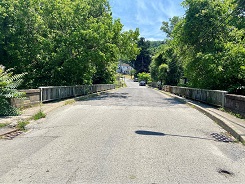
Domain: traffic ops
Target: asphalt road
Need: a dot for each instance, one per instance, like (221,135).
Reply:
(130,135)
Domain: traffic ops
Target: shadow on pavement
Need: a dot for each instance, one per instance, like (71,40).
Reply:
(113,95)
(150,133)
(143,132)
(103,96)
(174,101)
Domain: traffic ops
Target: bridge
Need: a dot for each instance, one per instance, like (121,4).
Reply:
(127,135)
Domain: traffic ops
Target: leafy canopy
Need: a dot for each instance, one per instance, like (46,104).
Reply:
(63,42)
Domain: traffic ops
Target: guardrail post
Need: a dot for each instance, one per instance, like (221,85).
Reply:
(41,95)
(59,92)
(223,99)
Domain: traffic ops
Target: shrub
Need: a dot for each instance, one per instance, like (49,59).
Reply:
(8,89)
(144,77)
(238,90)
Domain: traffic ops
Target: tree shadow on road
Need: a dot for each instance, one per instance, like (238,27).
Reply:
(103,96)
(174,101)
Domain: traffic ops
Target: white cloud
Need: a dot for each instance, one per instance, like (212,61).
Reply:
(141,4)
(147,15)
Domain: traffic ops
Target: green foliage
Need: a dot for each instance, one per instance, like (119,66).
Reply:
(69,102)
(144,77)
(210,42)
(132,72)
(143,59)
(39,115)
(63,42)
(6,108)
(22,125)
(166,66)
(3,125)
(154,46)
(168,27)
(8,89)
(232,113)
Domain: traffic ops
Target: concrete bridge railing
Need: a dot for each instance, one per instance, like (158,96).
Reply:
(60,92)
(213,97)
(50,93)
(231,102)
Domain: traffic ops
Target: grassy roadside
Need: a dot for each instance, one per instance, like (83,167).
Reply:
(2,125)
(21,125)
(232,113)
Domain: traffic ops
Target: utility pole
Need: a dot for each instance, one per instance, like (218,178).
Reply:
(142,64)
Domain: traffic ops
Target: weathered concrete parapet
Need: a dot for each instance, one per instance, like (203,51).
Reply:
(50,93)
(166,88)
(213,97)
(235,103)
(32,97)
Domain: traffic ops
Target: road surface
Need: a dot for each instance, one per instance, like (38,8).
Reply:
(130,135)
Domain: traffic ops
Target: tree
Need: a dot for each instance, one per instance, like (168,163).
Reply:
(154,46)
(210,42)
(168,27)
(166,66)
(144,77)
(143,59)
(63,42)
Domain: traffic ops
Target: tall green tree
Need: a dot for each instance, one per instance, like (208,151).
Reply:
(143,59)
(168,26)
(210,42)
(63,42)
(166,66)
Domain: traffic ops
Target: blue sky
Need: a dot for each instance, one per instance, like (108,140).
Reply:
(147,15)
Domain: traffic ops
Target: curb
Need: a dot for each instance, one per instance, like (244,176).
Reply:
(9,132)
(224,123)
(221,122)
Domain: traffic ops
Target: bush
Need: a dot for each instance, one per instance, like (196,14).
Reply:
(8,89)
(144,77)
(238,90)
(6,109)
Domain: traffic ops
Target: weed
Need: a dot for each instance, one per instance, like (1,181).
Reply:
(22,124)
(231,113)
(69,102)
(3,125)
(39,115)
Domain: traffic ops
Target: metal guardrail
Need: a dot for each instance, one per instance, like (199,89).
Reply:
(51,93)
(213,97)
